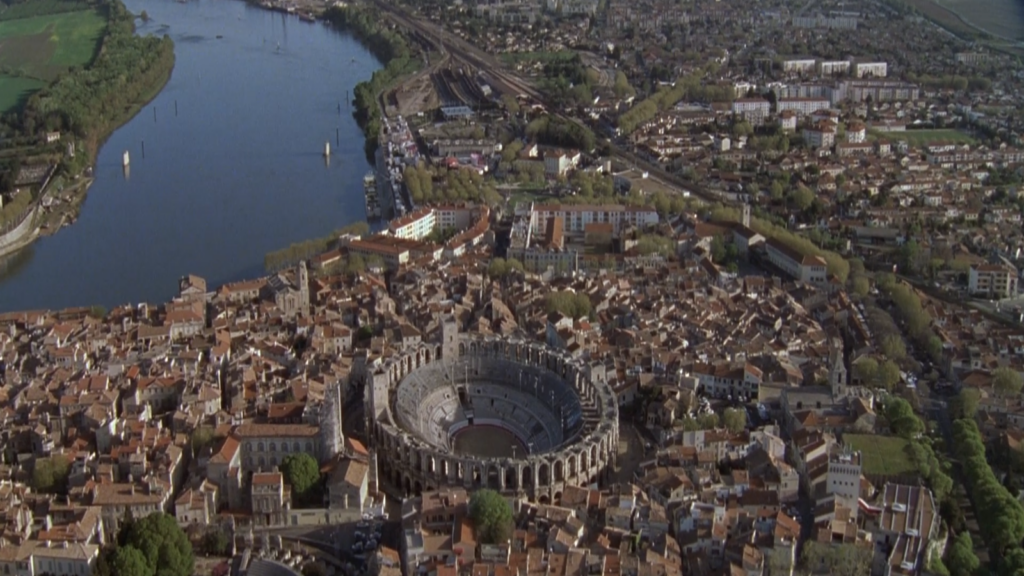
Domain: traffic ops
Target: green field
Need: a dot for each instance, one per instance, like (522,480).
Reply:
(15,91)
(922,137)
(886,455)
(35,51)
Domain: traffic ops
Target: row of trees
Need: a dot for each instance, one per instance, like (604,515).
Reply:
(147,547)
(915,318)
(953,82)
(500,267)
(290,256)
(904,422)
(1003,525)
(555,131)
(654,244)
(688,87)
(367,25)
(877,375)
(569,303)
(459,185)
(836,264)
(568,82)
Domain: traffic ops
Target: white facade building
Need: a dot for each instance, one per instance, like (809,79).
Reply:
(870,69)
(576,217)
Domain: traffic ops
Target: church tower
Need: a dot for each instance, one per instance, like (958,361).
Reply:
(746,215)
(837,377)
(449,338)
(303,281)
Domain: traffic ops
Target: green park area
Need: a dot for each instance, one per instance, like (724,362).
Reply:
(35,50)
(923,137)
(884,455)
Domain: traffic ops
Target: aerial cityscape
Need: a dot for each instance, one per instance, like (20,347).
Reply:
(511,287)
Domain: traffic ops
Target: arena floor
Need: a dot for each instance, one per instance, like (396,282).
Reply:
(488,442)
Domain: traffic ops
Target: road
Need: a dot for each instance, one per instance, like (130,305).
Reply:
(509,82)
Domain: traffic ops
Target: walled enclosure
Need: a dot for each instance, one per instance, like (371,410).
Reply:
(559,406)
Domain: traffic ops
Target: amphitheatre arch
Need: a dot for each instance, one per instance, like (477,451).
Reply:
(487,417)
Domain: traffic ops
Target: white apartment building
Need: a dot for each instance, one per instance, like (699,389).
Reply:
(802,106)
(833,67)
(752,109)
(992,281)
(821,135)
(798,65)
(576,217)
(870,69)
(856,133)
(810,269)
(415,225)
(787,121)
(419,224)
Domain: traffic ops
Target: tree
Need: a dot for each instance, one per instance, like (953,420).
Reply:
(201,438)
(104,562)
(50,475)
(894,347)
(1007,382)
(355,228)
(355,264)
(902,420)
(801,197)
(163,545)
(510,103)
(491,515)
(866,370)
(965,405)
(888,375)
(961,559)
(500,267)
(302,473)
(215,542)
(129,561)
(569,303)
(735,419)
(776,190)
(860,285)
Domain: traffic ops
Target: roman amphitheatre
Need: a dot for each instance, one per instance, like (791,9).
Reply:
(501,413)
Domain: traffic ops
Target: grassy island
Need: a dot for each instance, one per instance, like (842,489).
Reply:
(79,74)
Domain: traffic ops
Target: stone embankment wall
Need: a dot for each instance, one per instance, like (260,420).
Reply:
(21,235)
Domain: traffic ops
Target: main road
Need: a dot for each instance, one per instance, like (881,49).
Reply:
(462,51)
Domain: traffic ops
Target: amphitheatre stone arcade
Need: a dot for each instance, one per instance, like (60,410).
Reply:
(494,412)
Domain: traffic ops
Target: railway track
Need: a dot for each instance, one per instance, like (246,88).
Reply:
(461,51)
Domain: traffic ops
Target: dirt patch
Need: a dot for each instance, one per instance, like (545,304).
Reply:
(29,56)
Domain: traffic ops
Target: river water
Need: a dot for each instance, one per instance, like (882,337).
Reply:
(237,172)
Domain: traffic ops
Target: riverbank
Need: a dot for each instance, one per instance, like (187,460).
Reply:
(390,48)
(103,118)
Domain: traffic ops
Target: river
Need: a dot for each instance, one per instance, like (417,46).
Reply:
(238,171)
